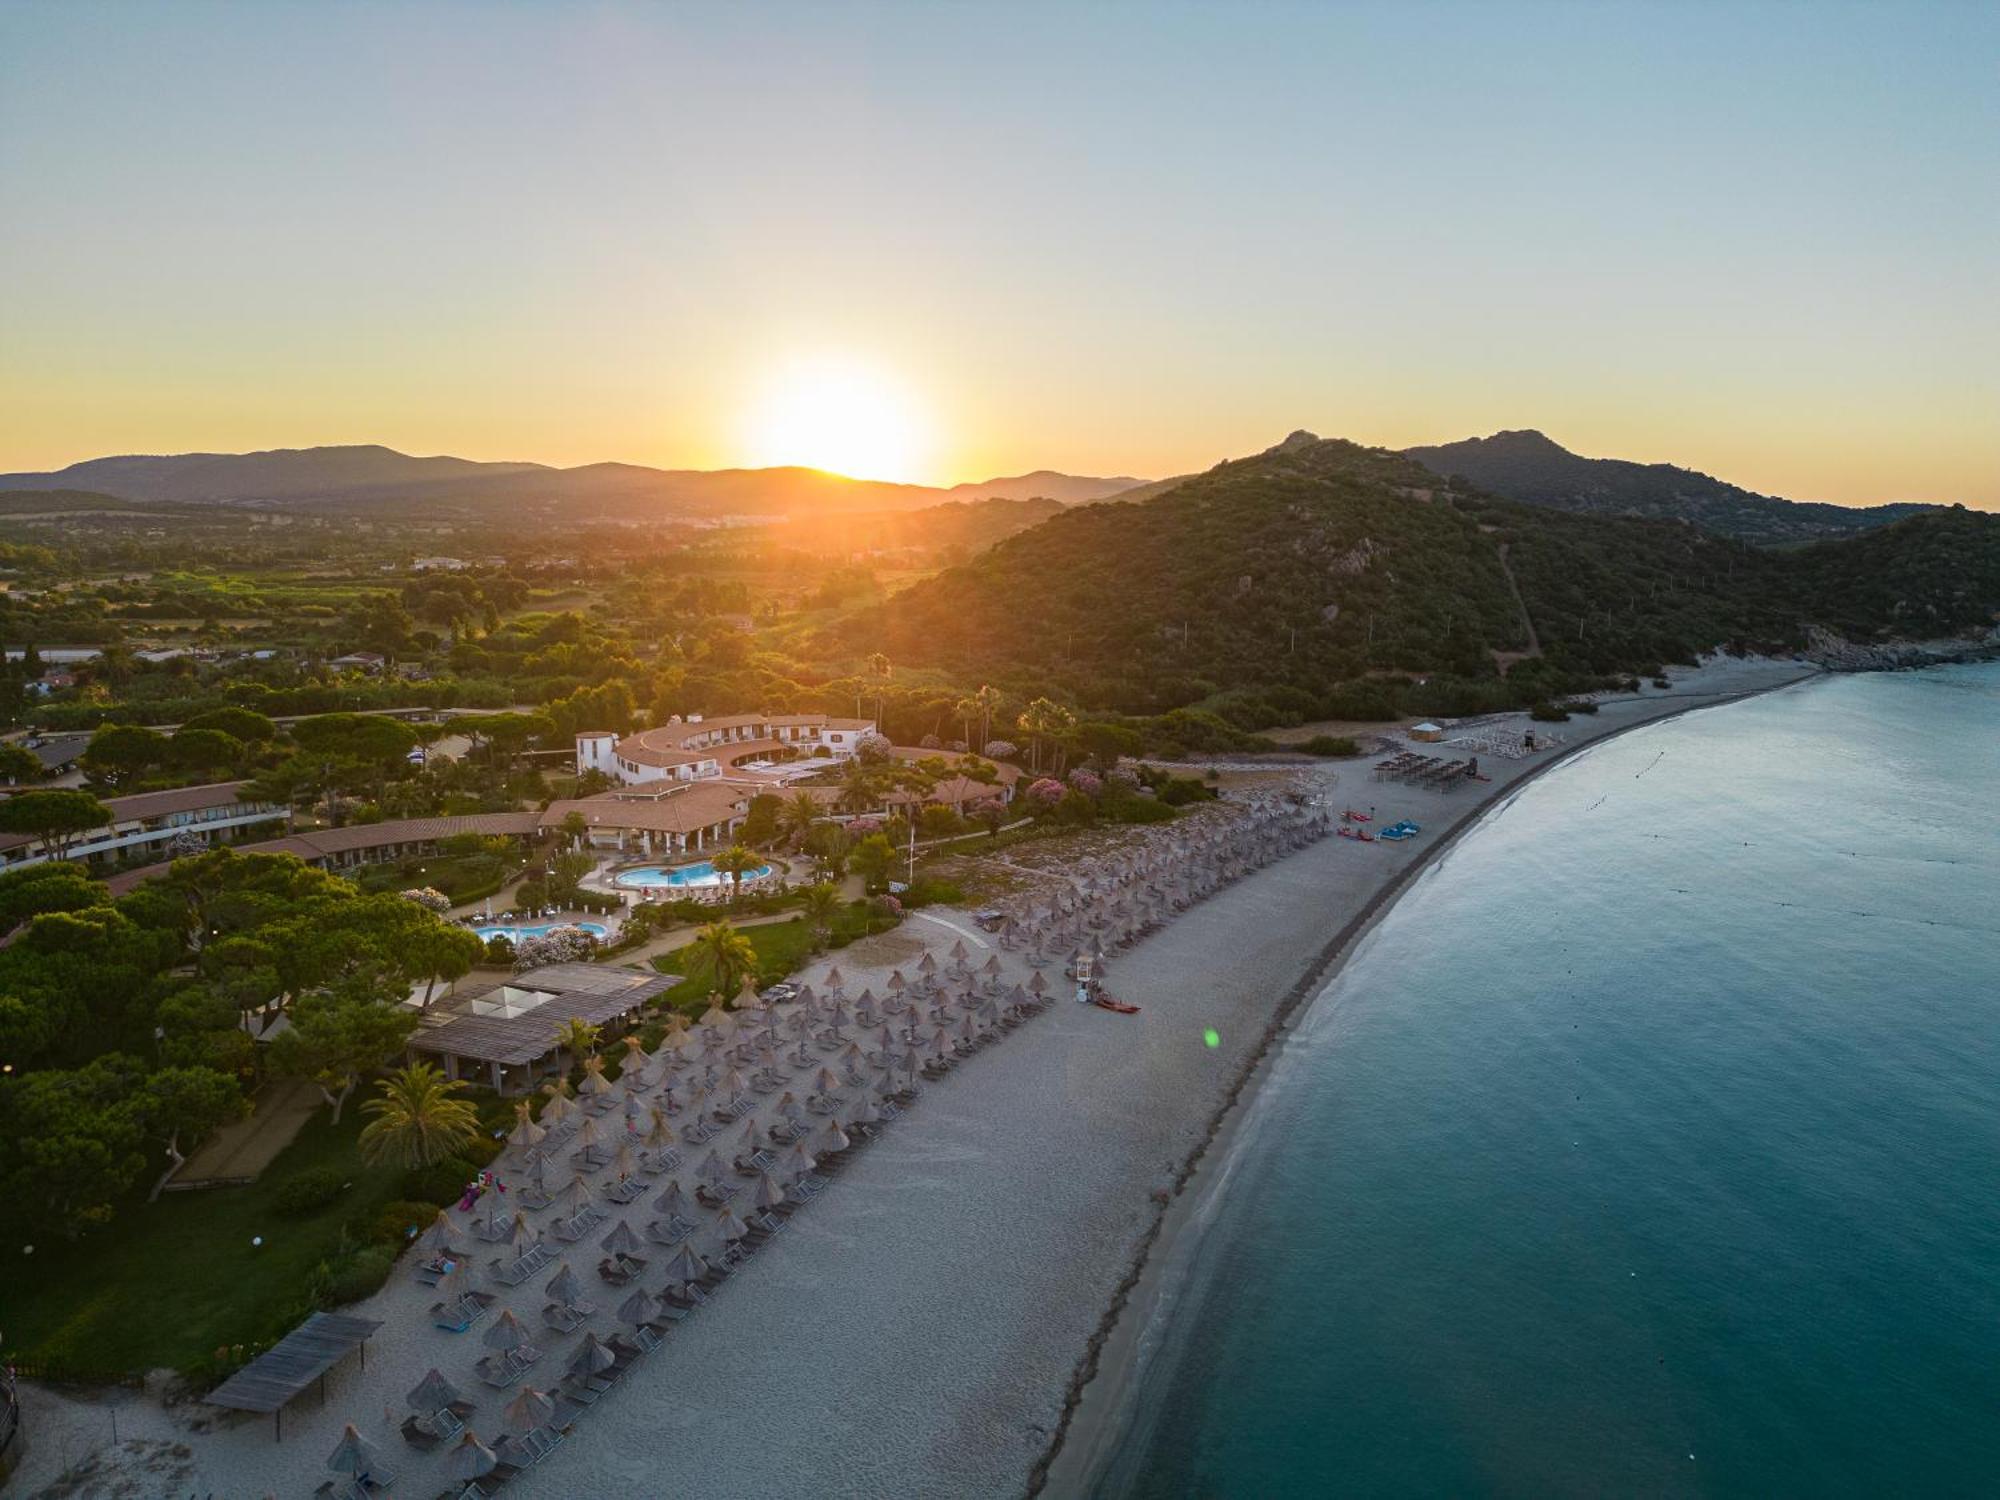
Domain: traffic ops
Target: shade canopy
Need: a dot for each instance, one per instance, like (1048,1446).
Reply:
(433,1392)
(528,1410)
(468,1460)
(353,1454)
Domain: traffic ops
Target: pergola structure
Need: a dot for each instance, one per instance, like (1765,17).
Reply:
(273,1378)
(514,1025)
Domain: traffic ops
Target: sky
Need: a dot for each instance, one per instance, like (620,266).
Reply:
(950,241)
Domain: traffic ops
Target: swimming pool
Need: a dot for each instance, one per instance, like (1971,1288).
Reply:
(682,877)
(513,934)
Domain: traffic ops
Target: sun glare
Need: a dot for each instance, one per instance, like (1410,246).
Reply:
(841,415)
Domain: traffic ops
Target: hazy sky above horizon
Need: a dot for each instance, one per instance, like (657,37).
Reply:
(1758,240)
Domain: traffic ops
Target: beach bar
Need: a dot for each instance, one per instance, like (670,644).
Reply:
(503,1031)
(270,1381)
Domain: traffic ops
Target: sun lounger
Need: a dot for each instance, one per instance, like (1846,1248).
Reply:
(561,1319)
(626,1191)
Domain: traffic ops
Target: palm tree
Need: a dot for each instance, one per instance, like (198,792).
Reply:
(1041,720)
(797,816)
(821,906)
(418,1120)
(966,710)
(878,664)
(578,1038)
(724,953)
(735,862)
(987,699)
(857,789)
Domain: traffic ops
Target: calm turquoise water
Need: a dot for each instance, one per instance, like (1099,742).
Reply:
(1650,1146)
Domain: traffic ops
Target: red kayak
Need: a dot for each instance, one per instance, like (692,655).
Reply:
(1356,833)
(1103,1003)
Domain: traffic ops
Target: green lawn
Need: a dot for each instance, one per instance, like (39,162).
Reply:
(782,948)
(167,1283)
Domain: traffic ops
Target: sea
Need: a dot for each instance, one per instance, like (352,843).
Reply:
(1650,1145)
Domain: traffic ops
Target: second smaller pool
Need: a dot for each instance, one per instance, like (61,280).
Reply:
(512,934)
(682,877)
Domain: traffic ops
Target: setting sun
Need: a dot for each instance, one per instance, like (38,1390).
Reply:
(841,415)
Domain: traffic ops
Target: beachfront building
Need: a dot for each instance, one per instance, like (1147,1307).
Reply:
(701,749)
(658,819)
(147,823)
(502,1032)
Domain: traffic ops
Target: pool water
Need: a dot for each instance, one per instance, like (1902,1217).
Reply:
(682,877)
(514,934)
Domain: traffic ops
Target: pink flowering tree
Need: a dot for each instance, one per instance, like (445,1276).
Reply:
(1045,793)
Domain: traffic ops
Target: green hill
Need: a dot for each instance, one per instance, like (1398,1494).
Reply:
(1312,575)
(1529,467)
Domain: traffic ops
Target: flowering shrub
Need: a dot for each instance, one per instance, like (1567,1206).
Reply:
(1001,749)
(956,747)
(864,825)
(430,898)
(187,841)
(887,906)
(559,945)
(1046,793)
(930,742)
(1087,782)
(1123,776)
(873,747)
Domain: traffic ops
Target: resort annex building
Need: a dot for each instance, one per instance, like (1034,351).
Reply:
(757,747)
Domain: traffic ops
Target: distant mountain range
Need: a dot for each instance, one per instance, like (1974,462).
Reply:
(369,477)
(1529,467)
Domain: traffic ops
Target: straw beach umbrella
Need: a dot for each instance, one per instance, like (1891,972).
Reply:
(526,1133)
(674,1200)
(354,1454)
(591,1358)
(565,1289)
(639,1308)
(621,1240)
(437,1238)
(522,1237)
(433,1393)
(831,1141)
(686,1267)
(659,1134)
(766,1194)
(456,1284)
(576,1197)
(469,1459)
(505,1333)
(733,1228)
(528,1411)
(594,1081)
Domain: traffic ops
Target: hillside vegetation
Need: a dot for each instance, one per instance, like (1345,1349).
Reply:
(1321,577)
(1529,467)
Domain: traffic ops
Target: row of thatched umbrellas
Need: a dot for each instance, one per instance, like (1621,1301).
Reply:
(1114,901)
(863,1053)
(862,1057)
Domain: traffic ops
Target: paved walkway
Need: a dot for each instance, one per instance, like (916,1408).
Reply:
(240,1152)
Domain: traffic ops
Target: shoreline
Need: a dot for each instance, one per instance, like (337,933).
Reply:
(1097,1406)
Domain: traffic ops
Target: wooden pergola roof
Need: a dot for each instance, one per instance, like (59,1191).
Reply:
(293,1363)
(588,992)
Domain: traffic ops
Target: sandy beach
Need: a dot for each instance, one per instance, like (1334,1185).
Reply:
(962,1301)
